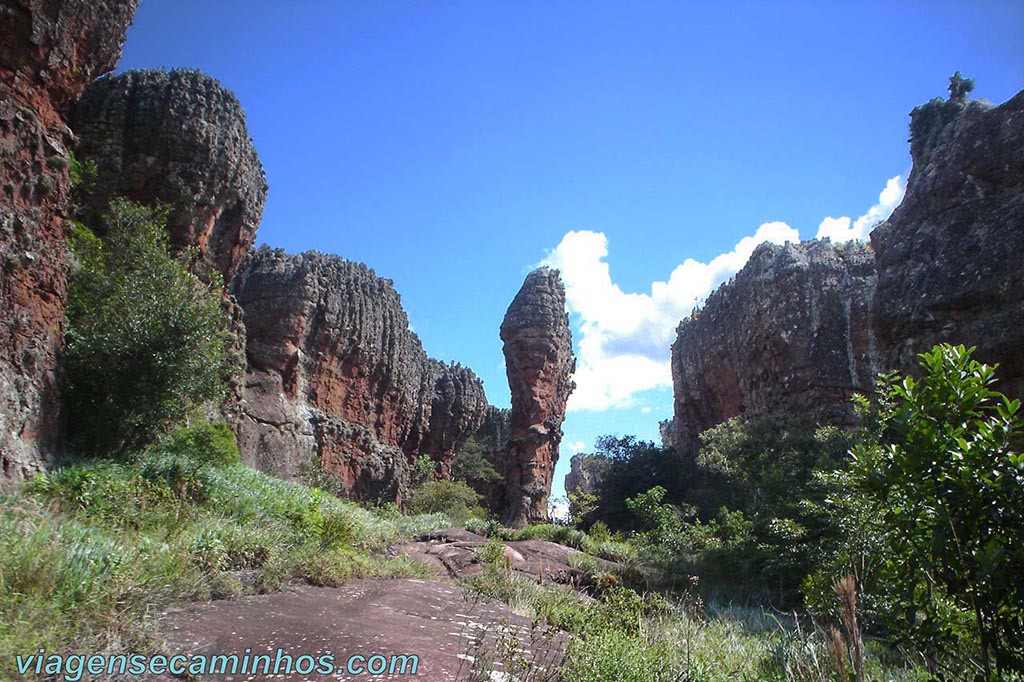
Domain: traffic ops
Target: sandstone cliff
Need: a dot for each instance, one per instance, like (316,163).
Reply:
(585,474)
(790,335)
(335,376)
(49,51)
(180,138)
(949,257)
(539,362)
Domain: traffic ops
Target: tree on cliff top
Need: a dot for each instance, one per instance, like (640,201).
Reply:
(145,340)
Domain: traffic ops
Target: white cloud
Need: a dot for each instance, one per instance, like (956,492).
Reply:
(623,339)
(844,229)
(576,447)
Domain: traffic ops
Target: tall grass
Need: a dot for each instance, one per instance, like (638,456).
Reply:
(87,551)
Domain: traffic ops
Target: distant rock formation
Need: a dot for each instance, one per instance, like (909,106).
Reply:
(49,51)
(539,362)
(585,473)
(336,378)
(180,138)
(949,258)
(790,334)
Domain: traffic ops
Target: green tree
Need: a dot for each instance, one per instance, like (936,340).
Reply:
(471,464)
(146,339)
(947,480)
(454,498)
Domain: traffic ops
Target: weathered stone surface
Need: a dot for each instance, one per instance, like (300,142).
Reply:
(180,138)
(336,376)
(539,362)
(49,51)
(949,257)
(585,474)
(789,335)
(454,553)
(453,633)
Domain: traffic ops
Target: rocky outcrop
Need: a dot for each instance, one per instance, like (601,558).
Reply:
(949,257)
(49,51)
(789,335)
(337,380)
(539,362)
(585,474)
(180,138)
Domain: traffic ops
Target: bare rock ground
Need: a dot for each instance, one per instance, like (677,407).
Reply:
(445,627)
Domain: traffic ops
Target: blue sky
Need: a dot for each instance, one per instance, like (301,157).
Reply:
(643,147)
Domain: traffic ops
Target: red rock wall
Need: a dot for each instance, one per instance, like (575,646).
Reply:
(790,335)
(334,373)
(49,51)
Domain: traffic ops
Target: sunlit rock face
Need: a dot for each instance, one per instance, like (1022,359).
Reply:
(539,362)
(949,257)
(790,335)
(336,380)
(178,138)
(49,51)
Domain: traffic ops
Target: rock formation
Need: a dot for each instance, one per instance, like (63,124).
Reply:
(585,473)
(789,335)
(336,376)
(539,362)
(949,257)
(179,138)
(49,51)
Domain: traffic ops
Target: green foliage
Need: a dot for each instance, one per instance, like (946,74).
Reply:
(472,465)
(204,443)
(422,470)
(87,551)
(627,468)
(146,340)
(946,480)
(454,498)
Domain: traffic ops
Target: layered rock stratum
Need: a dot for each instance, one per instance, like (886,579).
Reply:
(949,257)
(180,138)
(789,335)
(49,51)
(336,380)
(539,362)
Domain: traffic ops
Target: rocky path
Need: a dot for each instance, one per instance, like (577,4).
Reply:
(449,631)
(452,633)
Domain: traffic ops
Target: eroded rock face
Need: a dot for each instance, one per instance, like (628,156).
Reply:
(49,51)
(789,335)
(585,474)
(949,257)
(335,375)
(539,362)
(180,138)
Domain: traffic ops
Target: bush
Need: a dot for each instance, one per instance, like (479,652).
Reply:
(946,481)
(207,443)
(454,498)
(146,339)
(471,464)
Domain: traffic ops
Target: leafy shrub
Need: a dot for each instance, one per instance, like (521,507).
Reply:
(146,339)
(946,481)
(454,498)
(206,443)
(471,464)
